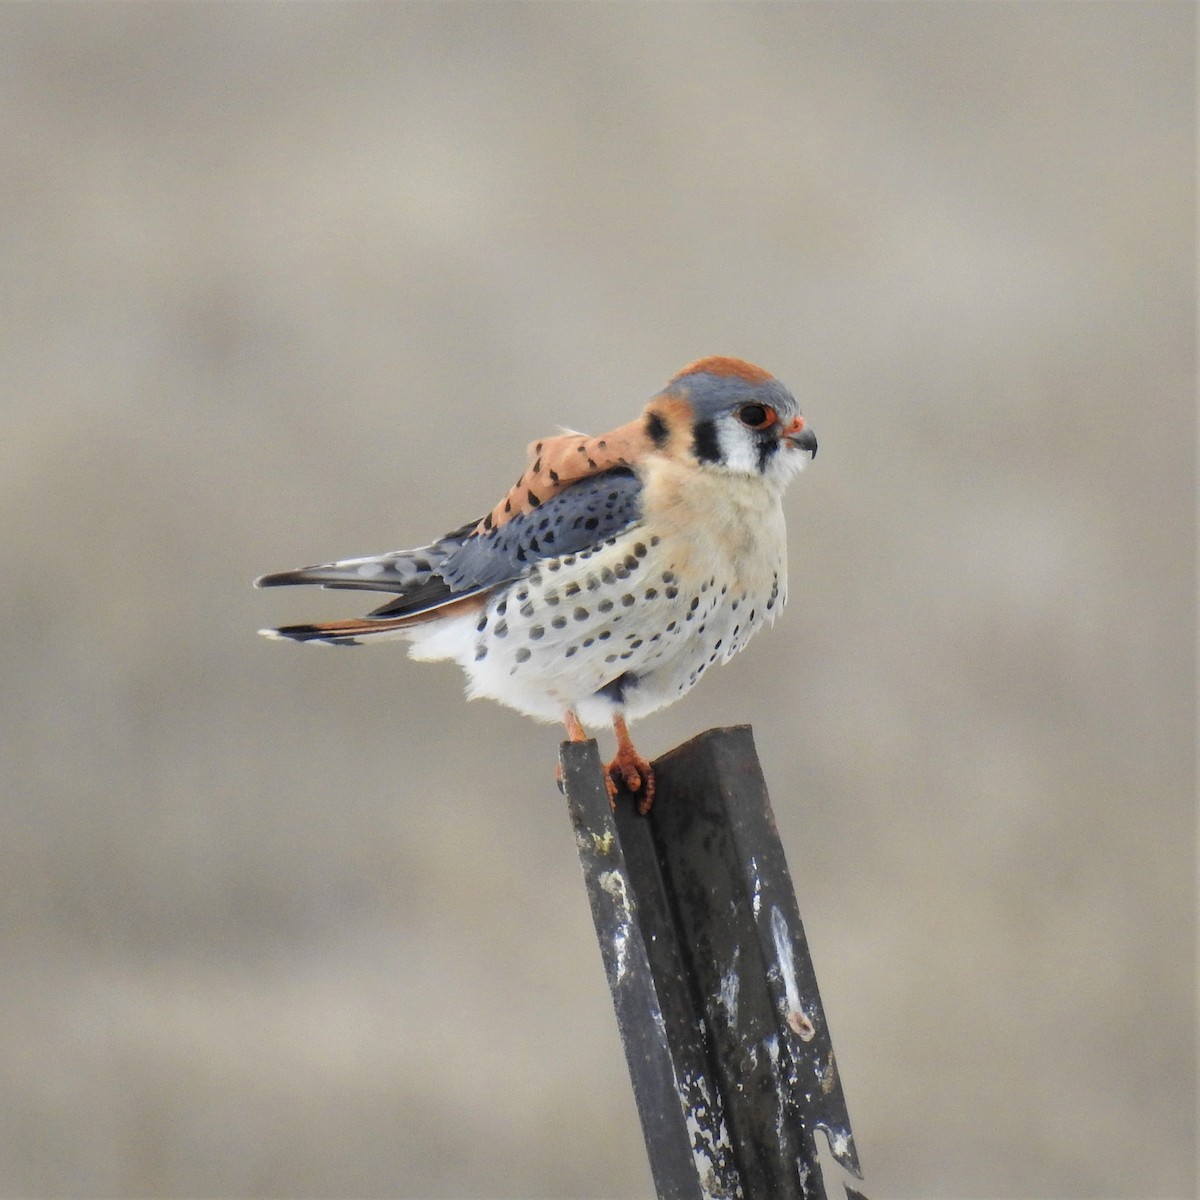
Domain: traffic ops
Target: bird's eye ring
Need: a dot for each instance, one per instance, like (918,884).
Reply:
(756,416)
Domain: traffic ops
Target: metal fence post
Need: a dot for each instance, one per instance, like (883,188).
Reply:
(715,994)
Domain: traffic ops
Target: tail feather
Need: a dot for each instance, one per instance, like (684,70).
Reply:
(419,592)
(337,633)
(353,632)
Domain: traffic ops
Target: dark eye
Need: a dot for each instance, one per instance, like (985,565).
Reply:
(756,416)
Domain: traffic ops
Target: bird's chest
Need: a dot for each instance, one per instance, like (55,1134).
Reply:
(638,618)
(726,555)
(713,525)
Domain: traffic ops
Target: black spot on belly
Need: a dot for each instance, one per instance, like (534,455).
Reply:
(616,689)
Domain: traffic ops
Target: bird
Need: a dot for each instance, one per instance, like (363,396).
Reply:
(614,573)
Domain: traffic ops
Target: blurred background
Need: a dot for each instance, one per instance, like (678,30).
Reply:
(285,283)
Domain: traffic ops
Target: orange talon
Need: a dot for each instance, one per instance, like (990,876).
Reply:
(631,769)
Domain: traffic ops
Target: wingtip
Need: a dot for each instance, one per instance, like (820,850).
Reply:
(276,579)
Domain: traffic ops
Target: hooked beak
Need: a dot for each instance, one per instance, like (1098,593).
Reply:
(800,437)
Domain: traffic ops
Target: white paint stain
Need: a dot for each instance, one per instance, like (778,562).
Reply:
(613,882)
(787,966)
(756,899)
(730,985)
(709,1138)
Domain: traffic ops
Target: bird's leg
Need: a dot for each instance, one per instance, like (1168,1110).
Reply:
(575,733)
(630,768)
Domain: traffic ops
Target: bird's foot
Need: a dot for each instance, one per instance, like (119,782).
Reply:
(631,771)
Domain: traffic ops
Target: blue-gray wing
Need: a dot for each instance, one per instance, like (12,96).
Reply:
(472,560)
(586,512)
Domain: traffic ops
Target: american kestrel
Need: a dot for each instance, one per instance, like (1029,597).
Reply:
(614,572)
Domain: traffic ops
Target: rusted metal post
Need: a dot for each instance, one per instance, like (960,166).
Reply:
(715,994)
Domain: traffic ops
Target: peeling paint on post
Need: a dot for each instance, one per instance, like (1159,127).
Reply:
(715,993)
(682,1120)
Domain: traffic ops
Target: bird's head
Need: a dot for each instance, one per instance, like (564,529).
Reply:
(731,416)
